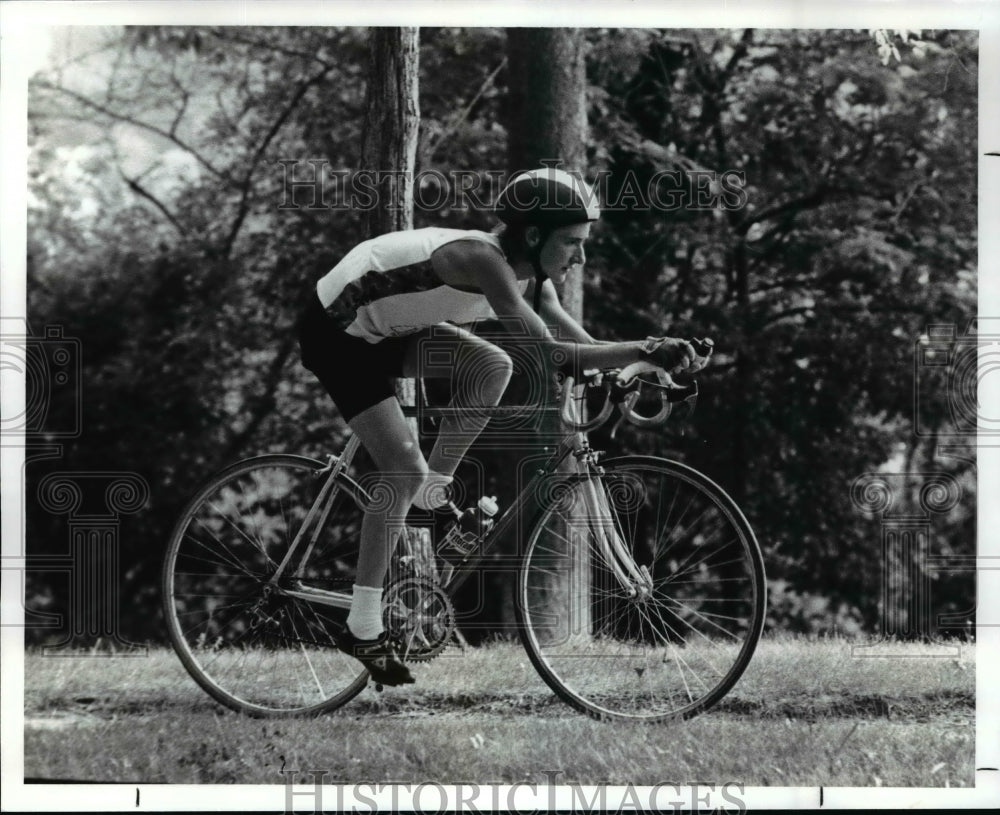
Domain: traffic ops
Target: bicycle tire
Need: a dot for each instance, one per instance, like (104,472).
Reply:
(668,655)
(258,650)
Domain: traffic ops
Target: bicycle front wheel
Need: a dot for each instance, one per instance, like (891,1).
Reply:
(642,593)
(256,644)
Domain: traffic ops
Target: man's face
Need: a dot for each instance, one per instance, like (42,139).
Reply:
(563,250)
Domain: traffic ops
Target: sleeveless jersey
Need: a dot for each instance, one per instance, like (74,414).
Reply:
(387,287)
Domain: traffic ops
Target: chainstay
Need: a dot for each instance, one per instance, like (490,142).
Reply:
(268,632)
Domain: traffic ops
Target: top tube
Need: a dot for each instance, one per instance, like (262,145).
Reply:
(429,411)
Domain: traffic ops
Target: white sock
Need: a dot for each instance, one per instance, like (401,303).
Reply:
(434,491)
(365,618)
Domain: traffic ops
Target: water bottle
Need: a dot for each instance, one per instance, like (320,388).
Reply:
(468,530)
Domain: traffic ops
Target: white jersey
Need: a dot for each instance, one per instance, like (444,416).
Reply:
(387,287)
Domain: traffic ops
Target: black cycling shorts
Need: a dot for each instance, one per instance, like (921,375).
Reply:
(356,373)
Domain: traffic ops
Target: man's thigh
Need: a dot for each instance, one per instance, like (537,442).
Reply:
(530,383)
(446,351)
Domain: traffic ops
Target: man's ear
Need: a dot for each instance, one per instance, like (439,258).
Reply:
(532,236)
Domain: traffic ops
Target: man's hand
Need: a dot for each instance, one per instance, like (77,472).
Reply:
(673,355)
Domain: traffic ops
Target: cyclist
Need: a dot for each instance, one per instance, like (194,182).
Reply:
(365,326)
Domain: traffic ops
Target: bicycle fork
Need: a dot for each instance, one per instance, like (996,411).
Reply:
(635,579)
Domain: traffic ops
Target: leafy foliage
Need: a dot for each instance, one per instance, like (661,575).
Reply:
(858,232)
(160,235)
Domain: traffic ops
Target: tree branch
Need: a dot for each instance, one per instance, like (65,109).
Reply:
(138,189)
(739,52)
(795,205)
(906,200)
(121,117)
(226,36)
(182,109)
(462,115)
(278,123)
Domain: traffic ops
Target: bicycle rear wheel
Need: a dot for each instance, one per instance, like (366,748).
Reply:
(245,639)
(678,644)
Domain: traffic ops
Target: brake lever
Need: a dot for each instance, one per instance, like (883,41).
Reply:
(690,399)
(630,398)
(618,424)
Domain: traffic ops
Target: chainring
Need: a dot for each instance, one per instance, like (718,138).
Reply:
(418,615)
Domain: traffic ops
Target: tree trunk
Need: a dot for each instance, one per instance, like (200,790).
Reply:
(388,152)
(392,120)
(389,137)
(547,113)
(547,123)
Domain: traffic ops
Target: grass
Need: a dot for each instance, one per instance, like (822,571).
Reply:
(805,713)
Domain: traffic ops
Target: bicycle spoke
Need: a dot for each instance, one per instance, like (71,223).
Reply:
(216,574)
(300,646)
(666,642)
(674,584)
(708,642)
(229,558)
(677,532)
(236,607)
(250,645)
(668,529)
(253,516)
(705,618)
(681,662)
(215,609)
(312,669)
(245,536)
(689,566)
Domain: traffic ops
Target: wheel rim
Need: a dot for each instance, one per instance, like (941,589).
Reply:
(676,646)
(245,639)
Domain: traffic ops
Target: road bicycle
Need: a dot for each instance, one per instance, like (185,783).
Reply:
(640,591)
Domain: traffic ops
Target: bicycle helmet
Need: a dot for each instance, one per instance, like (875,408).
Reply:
(547,198)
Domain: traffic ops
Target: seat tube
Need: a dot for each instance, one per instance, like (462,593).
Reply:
(323,504)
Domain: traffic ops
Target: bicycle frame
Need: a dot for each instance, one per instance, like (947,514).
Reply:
(634,579)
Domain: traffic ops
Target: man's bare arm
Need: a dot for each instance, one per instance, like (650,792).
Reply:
(554,315)
(496,279)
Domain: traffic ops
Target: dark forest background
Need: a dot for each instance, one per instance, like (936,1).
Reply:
(162,242)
